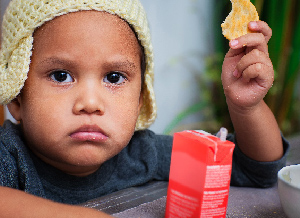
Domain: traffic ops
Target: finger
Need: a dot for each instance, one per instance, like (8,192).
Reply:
(251,40)
(235,52)
(261,27)
(252,71)
(255,56)
(263,74)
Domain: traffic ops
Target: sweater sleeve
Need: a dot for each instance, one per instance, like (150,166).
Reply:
(250,173)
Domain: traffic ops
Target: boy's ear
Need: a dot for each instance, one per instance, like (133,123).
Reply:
(14,108)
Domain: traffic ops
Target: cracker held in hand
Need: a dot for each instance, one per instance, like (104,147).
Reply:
(236,23)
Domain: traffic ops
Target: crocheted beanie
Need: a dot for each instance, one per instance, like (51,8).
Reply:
(22,17)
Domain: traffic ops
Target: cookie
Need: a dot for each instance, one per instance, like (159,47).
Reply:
(236,23)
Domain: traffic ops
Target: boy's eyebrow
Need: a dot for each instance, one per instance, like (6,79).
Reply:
(54,60)
(112,64)
(120,64)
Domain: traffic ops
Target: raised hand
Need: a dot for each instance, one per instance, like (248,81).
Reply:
(247,72)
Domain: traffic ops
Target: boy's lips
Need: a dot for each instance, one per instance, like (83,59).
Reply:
(89,133)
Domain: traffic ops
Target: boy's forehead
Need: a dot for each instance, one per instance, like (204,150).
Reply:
(78,24)
(61,40)
(73,18)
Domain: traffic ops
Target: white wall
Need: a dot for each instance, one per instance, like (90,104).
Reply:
(181,36)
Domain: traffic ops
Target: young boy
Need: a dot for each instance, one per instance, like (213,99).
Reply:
(78,77)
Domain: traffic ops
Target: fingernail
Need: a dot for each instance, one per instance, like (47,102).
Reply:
(234,42)
(235,73)
(253,25)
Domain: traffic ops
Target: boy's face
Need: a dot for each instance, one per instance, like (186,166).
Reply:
(82,98)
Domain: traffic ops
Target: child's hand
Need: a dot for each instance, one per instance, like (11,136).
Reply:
(247,72)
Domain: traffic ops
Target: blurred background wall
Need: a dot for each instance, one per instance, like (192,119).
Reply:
(181,35)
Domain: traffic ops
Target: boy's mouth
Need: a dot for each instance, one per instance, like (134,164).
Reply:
(89,133)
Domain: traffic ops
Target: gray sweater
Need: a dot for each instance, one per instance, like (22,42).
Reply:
(147,157)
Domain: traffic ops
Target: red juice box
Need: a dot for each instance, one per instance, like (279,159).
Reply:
(199,176)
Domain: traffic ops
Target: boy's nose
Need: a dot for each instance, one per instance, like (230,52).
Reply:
(88,101)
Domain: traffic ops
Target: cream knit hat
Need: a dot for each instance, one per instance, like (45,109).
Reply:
(22,17)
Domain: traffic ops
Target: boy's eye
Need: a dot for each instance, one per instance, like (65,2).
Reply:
(61,76)
(114,78)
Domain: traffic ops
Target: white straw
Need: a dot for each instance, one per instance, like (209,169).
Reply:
(222,134)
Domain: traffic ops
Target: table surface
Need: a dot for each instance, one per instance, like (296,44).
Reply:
(148,201)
